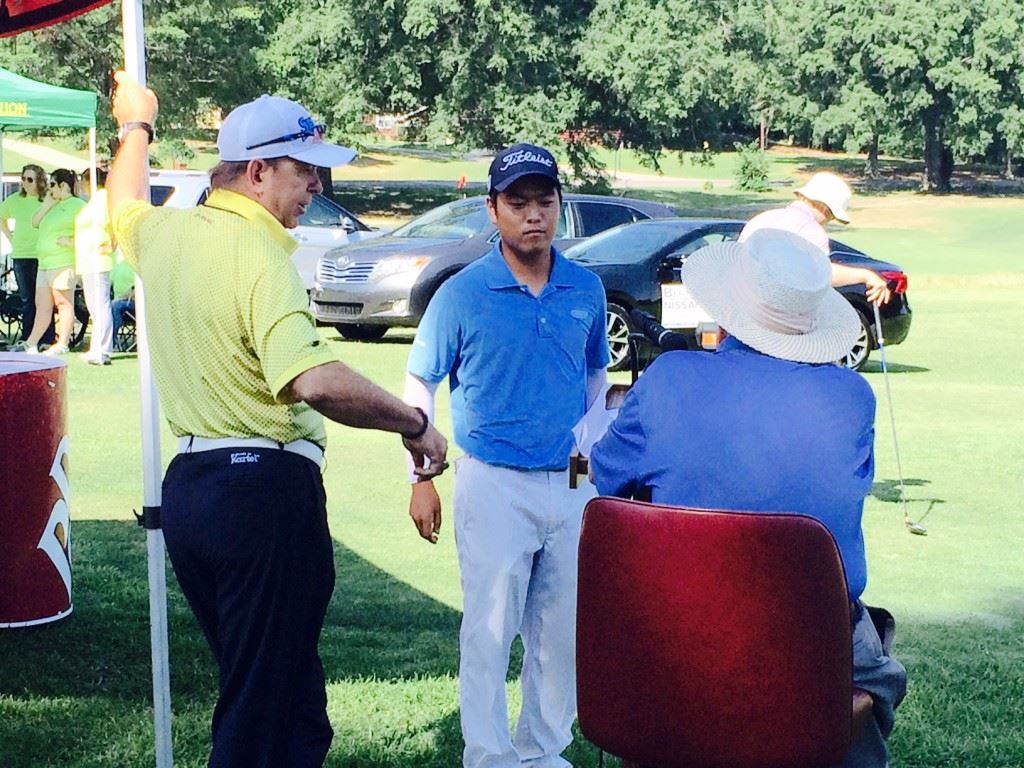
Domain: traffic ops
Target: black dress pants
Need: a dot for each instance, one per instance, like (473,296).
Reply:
(246,531)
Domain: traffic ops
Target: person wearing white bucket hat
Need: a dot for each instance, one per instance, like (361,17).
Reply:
(824,198)
(245,381)
(767,423)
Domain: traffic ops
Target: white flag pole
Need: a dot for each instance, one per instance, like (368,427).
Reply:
(135,65)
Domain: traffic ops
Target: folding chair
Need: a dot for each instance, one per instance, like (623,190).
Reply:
(125,340)
(713,639)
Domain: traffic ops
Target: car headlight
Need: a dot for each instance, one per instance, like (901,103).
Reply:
(397,265)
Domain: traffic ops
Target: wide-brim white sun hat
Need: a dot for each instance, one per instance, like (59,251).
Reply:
(829,189)
(774,293)
(270,127)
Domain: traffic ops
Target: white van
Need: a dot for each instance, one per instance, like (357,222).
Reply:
(323,226)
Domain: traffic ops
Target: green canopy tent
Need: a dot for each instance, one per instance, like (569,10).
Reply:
(26,104)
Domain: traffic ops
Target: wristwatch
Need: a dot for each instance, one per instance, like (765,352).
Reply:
(131,126)
(424,425)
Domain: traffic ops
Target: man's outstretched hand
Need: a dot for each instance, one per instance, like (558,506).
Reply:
(428,453)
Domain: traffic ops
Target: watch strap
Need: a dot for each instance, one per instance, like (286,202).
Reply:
(132,125)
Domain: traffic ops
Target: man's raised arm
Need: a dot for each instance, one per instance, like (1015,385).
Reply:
(135,108)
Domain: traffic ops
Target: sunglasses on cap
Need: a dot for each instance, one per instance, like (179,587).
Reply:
(315,131)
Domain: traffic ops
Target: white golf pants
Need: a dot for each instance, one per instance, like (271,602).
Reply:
(517,535)
(96,289)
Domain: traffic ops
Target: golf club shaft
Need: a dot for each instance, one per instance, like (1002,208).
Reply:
(892,417)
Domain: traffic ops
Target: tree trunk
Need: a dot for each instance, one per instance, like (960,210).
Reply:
(325,180)
(1009,163)
(871,167)
(937,162)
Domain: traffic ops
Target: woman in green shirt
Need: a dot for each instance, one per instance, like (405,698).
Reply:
(55,248)
(20,208)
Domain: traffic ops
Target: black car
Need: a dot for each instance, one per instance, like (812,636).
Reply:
(635,260)
(365,288)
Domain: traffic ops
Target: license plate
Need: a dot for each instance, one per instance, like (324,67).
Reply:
(337,310)
(678,308)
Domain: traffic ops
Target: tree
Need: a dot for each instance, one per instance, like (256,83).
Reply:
(662,71)
(489,72)
(999,53)
(201,56)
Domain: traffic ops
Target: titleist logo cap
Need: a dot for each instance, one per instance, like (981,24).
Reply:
(518,161)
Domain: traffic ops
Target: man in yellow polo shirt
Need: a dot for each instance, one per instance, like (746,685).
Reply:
(245,381)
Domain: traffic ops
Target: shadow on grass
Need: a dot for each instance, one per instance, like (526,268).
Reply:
(364,160)
(392,337)
(78,692)
(379,627)
(691,203)
(965,693)
(918,505)
(404,199)
(875,366)
(441,741)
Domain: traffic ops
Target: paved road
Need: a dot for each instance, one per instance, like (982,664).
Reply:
(47,157)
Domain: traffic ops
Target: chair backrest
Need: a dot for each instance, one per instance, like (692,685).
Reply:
(711,638)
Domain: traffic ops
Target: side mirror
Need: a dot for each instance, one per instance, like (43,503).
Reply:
(347,224)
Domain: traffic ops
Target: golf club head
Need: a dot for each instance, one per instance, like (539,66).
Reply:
(915,528)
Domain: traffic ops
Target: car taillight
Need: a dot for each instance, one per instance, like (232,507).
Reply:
(900,278)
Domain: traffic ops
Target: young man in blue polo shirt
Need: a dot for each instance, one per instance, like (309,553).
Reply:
(520,334)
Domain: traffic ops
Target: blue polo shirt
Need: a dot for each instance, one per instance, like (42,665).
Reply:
(741,430)
(516,363)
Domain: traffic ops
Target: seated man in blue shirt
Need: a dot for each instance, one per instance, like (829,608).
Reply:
(768,423)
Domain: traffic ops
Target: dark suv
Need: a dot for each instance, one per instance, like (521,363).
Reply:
(365,288)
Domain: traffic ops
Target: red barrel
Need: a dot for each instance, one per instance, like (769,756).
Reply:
(35,532)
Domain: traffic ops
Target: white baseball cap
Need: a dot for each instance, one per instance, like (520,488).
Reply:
(272,127)
(830,190)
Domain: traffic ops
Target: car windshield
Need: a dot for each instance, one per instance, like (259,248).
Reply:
(454,221)
(629,243)
(322,212)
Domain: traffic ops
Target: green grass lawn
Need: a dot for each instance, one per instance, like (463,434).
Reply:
(77,693)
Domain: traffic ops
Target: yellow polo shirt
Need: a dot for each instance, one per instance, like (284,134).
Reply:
(227,317)
(92,237)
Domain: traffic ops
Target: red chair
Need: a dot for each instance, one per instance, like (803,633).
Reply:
(713,639)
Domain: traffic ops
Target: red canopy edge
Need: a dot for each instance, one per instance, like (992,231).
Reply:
(23,15)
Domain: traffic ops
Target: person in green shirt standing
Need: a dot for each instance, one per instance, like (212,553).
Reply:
(19,208)
(55,284)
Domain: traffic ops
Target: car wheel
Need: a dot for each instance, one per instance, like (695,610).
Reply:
(361,331)
(618,336)
(858,355)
